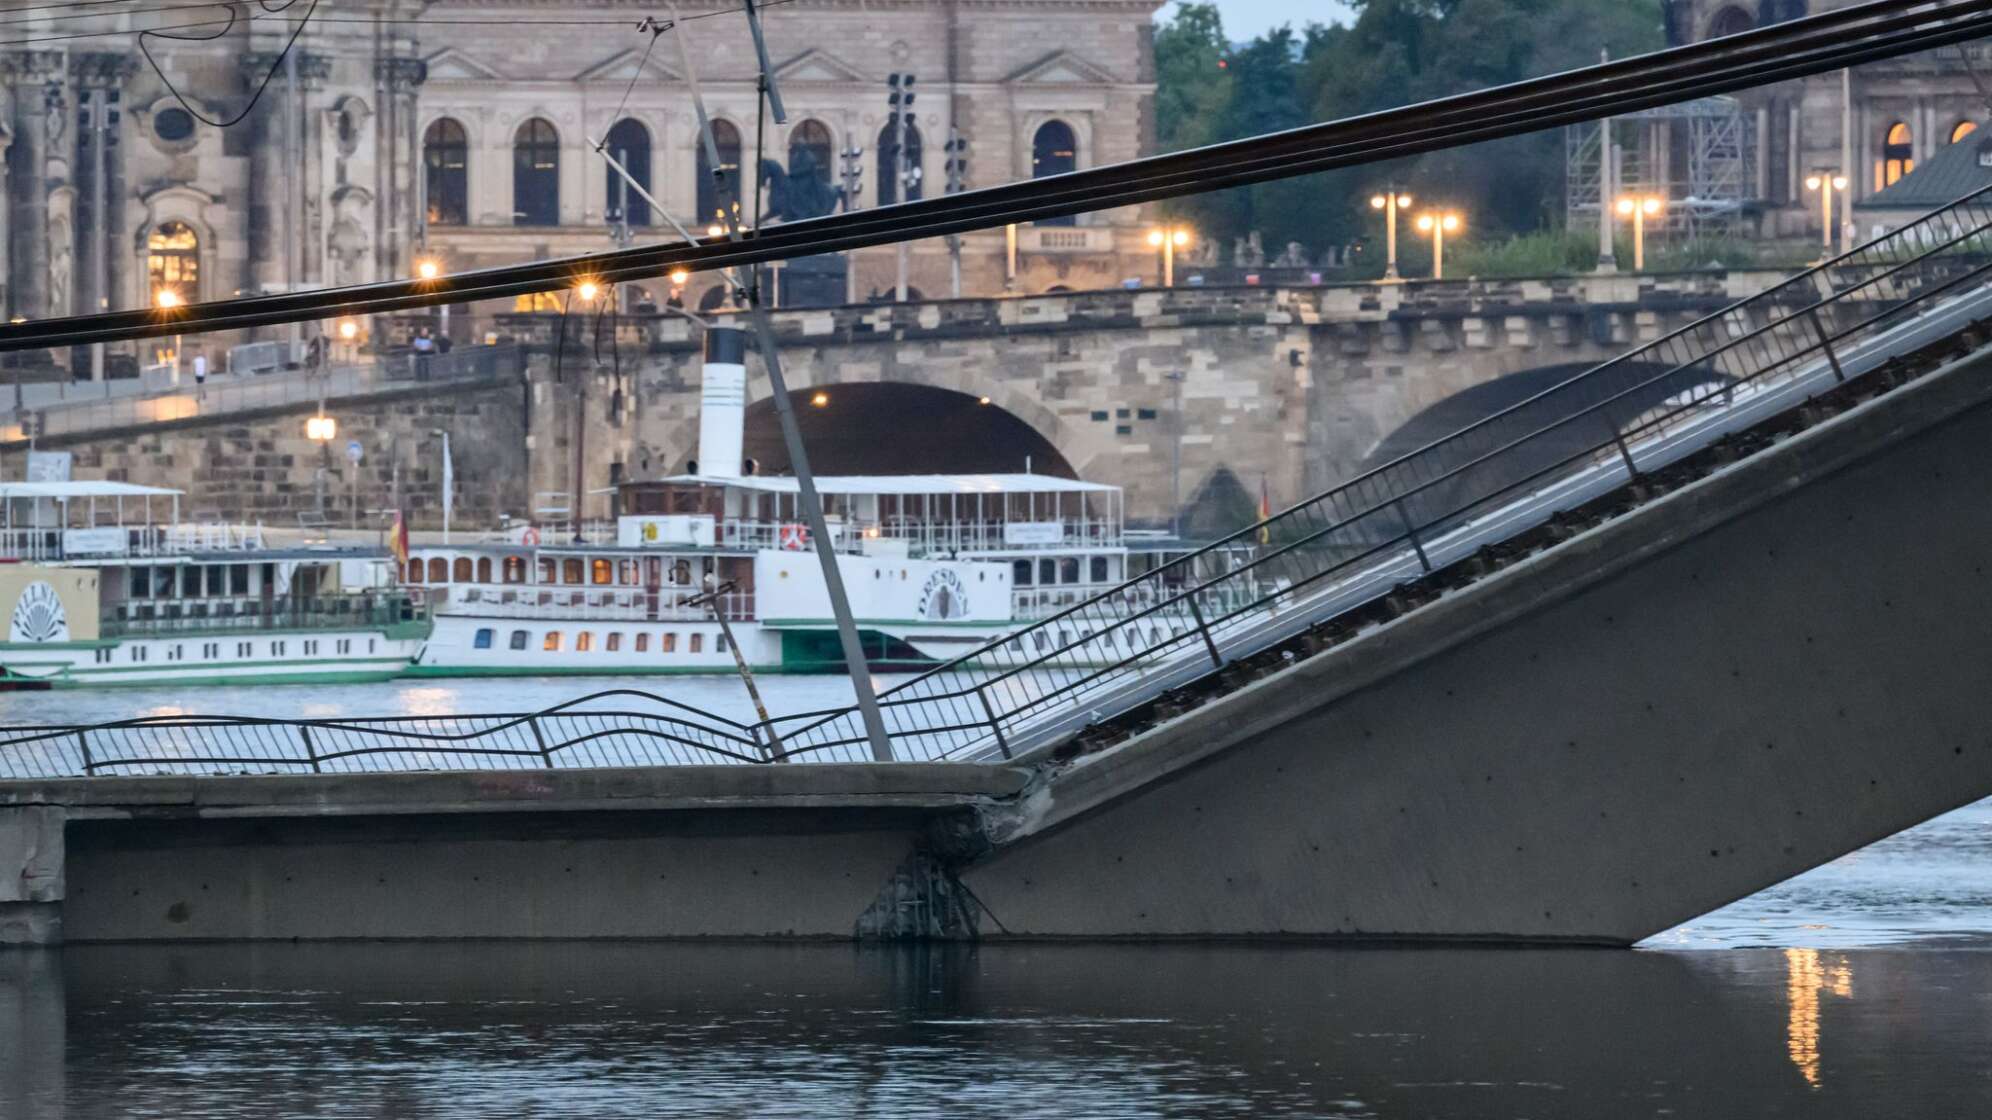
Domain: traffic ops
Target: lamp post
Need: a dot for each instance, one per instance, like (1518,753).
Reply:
(1169,240)
(1390,202)
(1826,181)
(1436,225)
(1639,208)
(168,301)
(429,269)
(1175,379)
(349,331)
(321,429)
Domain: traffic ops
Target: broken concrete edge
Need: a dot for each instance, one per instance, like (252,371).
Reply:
(1061,791)
(840,785)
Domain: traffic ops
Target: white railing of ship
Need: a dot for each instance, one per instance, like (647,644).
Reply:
(80,542)
(1028,603)
(988,536)
(624,605)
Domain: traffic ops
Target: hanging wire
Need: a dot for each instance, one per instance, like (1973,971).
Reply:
(289,44)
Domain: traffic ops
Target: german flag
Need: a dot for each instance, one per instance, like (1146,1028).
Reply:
(397,541)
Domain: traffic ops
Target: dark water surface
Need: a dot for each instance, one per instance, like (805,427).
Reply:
(591,1030)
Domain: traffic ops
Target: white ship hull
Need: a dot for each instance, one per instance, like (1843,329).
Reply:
(291,657)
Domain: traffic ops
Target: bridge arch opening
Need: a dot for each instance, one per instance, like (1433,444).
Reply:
(885,427)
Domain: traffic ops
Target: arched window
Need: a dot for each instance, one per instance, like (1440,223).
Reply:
(1054,151)
(1731,20)
(811,147)
(484,569)
(629,142)
(446,173)
(173,260)
(461,570)
(1898,155)
(536,174)
(414,569)
(888,163)
(515,569)
(439,570)
(1962,129)
(725,184)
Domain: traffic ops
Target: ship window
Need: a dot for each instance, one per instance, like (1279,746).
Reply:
(626,572)
(614,642)
(141,582)
(461,571)
(643,643)
(546,570)
(1023,573)
(1068,570)
(515,569)
(484,569)
(483,639)
(242,649)
(552,642)
(719,643)
(698,643)
(681,573)
(584,641)
(518,639)
(277,649)
(603,571)
(439,570)
(670,644)
(1047,571)
(570,570)
(238,580)
(1099,569)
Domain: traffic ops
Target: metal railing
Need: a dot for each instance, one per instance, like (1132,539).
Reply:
(109,541)
(231,393)
(1341,549)
(369,610)
(564,603)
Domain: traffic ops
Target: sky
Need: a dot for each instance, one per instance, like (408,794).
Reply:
(1246,19)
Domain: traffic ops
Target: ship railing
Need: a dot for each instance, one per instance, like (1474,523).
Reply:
(369,610)
(625,605)
(925,536)
(87,542)
(1031,603)
(792,536)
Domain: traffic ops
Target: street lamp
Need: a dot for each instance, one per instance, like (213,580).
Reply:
(1437,225)
(320,429)
(1826,181)
(1639,207)
(1169,240)
(428,269)
(587,290)
(167,300)
(1390,202)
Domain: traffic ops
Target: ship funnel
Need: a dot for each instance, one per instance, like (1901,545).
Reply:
(723,402)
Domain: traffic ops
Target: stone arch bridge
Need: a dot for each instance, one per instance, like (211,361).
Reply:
(1289,389)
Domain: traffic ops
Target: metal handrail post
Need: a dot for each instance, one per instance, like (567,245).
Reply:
(539,737)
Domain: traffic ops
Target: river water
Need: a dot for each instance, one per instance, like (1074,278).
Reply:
(1861,989)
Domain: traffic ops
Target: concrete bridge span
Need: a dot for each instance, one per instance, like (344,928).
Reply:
(1743,679)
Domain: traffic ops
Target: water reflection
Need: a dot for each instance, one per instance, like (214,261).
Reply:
(634,1030)
(1807,976)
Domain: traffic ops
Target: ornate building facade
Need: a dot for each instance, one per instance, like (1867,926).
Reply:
(1873,124)
(466,132)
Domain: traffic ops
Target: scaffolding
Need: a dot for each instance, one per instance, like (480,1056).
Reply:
(1700,156)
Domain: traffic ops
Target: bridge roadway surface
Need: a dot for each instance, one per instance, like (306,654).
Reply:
(1738,681)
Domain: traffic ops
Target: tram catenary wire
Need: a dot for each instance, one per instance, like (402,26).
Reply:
(1811,45)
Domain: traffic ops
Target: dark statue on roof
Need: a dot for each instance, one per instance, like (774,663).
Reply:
(801,191)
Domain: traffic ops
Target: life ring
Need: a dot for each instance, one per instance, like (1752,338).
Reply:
(530,536)
(793,537)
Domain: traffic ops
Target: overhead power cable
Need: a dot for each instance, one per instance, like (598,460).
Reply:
(1812,45)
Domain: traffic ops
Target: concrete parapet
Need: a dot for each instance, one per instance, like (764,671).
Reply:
(32,875)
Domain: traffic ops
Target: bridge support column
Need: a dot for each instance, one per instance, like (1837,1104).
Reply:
(31,875)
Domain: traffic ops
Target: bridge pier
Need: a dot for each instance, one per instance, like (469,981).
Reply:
(32,875)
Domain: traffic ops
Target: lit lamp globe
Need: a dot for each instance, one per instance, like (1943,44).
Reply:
(586,289)
(679,276)
(167,299)
(321,428)
(348,330)
(428,270)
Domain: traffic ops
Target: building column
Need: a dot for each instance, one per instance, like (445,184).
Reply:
(36,80)
(269,180)
(400,187)
(312,72)
(99,77)
(32,884)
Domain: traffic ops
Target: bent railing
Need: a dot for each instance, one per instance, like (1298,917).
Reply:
(1338,550)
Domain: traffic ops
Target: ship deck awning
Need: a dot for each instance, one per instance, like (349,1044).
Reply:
(71,491)
(866,484)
